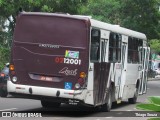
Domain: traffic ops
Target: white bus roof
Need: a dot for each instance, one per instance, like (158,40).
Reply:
(117,29)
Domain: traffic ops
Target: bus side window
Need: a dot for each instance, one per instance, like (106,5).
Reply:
(115,47)
(95,45)
(140,46)
(134,51)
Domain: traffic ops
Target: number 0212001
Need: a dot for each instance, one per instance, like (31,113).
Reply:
(68,61)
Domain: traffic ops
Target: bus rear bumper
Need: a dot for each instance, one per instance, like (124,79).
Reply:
(40,91)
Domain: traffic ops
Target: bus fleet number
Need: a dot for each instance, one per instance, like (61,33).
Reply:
(68,61)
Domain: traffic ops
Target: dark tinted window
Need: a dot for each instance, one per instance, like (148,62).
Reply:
(95,45)
(134,45)
(115,47)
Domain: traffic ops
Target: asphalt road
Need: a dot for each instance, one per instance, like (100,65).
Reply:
(120,111)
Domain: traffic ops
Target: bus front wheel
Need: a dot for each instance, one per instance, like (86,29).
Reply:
(48,104)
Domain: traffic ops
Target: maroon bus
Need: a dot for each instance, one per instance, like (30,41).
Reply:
(59,58)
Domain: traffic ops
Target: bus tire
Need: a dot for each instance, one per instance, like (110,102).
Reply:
(107,106)
(48,104)
(134,99)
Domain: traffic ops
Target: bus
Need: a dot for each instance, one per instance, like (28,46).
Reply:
(59,58)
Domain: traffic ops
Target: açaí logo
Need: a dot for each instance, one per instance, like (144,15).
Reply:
(67,72)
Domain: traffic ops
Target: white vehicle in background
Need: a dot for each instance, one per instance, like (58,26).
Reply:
(157,72)
(156,68)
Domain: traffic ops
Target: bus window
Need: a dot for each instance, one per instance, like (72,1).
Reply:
(115,47)
(140,46)
(103,49)
(134,45)
(95,45)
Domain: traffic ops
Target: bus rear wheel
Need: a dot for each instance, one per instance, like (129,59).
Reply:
(49,104)
(107,106)
(134,99)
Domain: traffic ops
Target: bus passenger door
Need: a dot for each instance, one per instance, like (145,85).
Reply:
(101,70)
(144,72)
(123,69)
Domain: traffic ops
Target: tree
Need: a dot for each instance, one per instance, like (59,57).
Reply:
(138,15)
(155,45)
(4,56)
(142,16)
(104,10)
(12,7)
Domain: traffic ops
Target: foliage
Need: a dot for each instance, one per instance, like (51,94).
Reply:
(155,45)
(104,10)
(5,44)
(138,15)
(4,53)
(142,16)
(12,7)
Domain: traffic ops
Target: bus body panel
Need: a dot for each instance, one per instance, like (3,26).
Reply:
(48,54)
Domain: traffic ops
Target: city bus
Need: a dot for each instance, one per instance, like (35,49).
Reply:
(61,58)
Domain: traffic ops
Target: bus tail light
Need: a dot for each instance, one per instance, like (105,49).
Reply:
(81,81)
(82,75)
(13,73)
(11,67)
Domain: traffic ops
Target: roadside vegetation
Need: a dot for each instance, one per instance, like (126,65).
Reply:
(153,104)
(138,15)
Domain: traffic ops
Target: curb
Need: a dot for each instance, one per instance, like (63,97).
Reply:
(153,79)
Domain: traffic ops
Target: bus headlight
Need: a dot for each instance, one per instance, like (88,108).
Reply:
(14,79)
